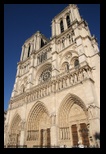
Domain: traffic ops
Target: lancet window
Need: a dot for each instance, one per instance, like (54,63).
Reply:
(29,50)
(61,26)
(76,63)
(68,21)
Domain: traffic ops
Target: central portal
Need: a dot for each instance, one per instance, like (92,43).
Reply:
(45,137)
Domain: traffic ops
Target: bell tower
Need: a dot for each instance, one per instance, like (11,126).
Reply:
(65,19)
(56,94)
(25,67)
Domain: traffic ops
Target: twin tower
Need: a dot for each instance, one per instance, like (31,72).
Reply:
(56,95)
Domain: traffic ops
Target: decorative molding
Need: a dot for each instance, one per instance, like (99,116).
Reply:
(60,82)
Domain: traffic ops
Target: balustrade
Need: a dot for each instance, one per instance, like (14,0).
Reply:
(62,81)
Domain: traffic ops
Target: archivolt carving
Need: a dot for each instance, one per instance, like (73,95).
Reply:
(65,108)
(14,132)
(15,124)
(69,57)
(36,113)
(38,118)
(65,67)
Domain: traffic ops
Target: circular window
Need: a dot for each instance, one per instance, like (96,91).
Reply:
(46,75)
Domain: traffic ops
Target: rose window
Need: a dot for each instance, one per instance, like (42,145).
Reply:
(46,75)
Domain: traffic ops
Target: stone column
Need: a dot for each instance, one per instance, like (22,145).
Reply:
(79,134)
(35,42)
(71,138)
(22,53)
(25,53)
(71,13)
(29,81)
(18,70)
(76,13)
(38,41)
(54,63)
(31,49)
(65,23)
(53,130)
(32,60)
(57,28)
(5,134)
(53,28)
(22,135)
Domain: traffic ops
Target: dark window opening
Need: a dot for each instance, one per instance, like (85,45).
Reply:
(42,43)
(76,63)
(68,21)
(28,51)
(63,45)
(61,26)
(67,66)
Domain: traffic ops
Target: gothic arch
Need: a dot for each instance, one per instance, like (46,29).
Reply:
(73,121)
(73,59)
(69,56)
(37,113)
(61,26)
(64,66)
(38,123)
(68,20)
(15,123)
(65,107)
(15,128)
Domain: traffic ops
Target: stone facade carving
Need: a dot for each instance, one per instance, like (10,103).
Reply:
(51,94)
(23,123)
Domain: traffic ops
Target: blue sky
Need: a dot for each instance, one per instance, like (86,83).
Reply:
(22,20)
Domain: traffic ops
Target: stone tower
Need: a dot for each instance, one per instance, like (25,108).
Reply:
(56,94)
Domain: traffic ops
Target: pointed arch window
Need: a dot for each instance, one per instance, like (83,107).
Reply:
(68,21)
(65,66)
(29,50)
(61,26)
(76,63)
(23,52)
(42,43)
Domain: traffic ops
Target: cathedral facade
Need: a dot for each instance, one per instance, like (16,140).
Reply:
(56,95)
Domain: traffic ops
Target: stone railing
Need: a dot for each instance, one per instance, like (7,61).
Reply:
(62,81)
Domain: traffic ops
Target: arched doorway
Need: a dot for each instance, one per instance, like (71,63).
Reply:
(38,126)
(14,133)
(73,122)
